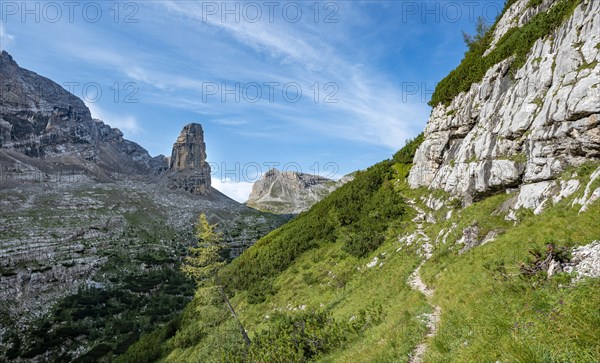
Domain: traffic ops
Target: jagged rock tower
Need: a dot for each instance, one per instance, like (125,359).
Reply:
(188,169)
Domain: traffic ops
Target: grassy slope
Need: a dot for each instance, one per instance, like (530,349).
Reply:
(489,312)
(485,315)
(492,313)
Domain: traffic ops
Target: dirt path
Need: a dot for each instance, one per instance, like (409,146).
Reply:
(414,280)
(431,320)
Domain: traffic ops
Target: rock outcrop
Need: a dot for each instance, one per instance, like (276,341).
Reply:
(520,127)
(290,192)
(188,169)
(585,261)
(39,119)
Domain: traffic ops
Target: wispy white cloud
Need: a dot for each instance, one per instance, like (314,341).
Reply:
(370,108)
(238,191)
(230,122)
(127,124)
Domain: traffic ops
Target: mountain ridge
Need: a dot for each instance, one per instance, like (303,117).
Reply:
(87,215)
(290,192)
(40,119)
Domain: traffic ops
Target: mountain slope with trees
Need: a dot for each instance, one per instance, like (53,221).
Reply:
(439,254)
(335,296)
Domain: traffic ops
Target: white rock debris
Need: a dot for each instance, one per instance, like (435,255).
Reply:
(585,261)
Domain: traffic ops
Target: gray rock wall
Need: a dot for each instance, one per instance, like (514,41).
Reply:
(188,169)
(512,130)
(40,119)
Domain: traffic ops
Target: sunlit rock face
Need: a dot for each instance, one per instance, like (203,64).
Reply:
(291,192)
(188,169)
(520,126)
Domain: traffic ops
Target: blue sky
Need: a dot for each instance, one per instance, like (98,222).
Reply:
(365,70)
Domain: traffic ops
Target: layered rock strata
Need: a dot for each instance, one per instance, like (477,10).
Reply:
(520,127)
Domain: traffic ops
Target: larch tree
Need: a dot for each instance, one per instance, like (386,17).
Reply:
(205,261)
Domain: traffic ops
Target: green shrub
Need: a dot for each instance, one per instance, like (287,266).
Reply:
(309,278)
(517,42)
(259,292)
(359,244)
(304,336)
(534,3)
(150,347)
(94,354)
(188,336)
(296,338)
(407,153)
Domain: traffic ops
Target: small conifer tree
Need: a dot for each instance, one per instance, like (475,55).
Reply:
(206,260)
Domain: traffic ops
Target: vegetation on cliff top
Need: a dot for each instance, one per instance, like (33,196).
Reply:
(516,42)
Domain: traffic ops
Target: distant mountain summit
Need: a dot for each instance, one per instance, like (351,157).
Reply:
(39,119)
(290,192)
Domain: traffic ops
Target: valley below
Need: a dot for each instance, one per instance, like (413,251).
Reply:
(116,245)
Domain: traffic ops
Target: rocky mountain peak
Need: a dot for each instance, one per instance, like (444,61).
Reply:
(44,129)
(271,173)
(5,57)
(189,151)
(290,192)
(188,169)
(22,91)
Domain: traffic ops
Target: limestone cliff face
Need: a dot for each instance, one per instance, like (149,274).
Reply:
(520,128)
(290,192)
(40,119)
(188,169)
